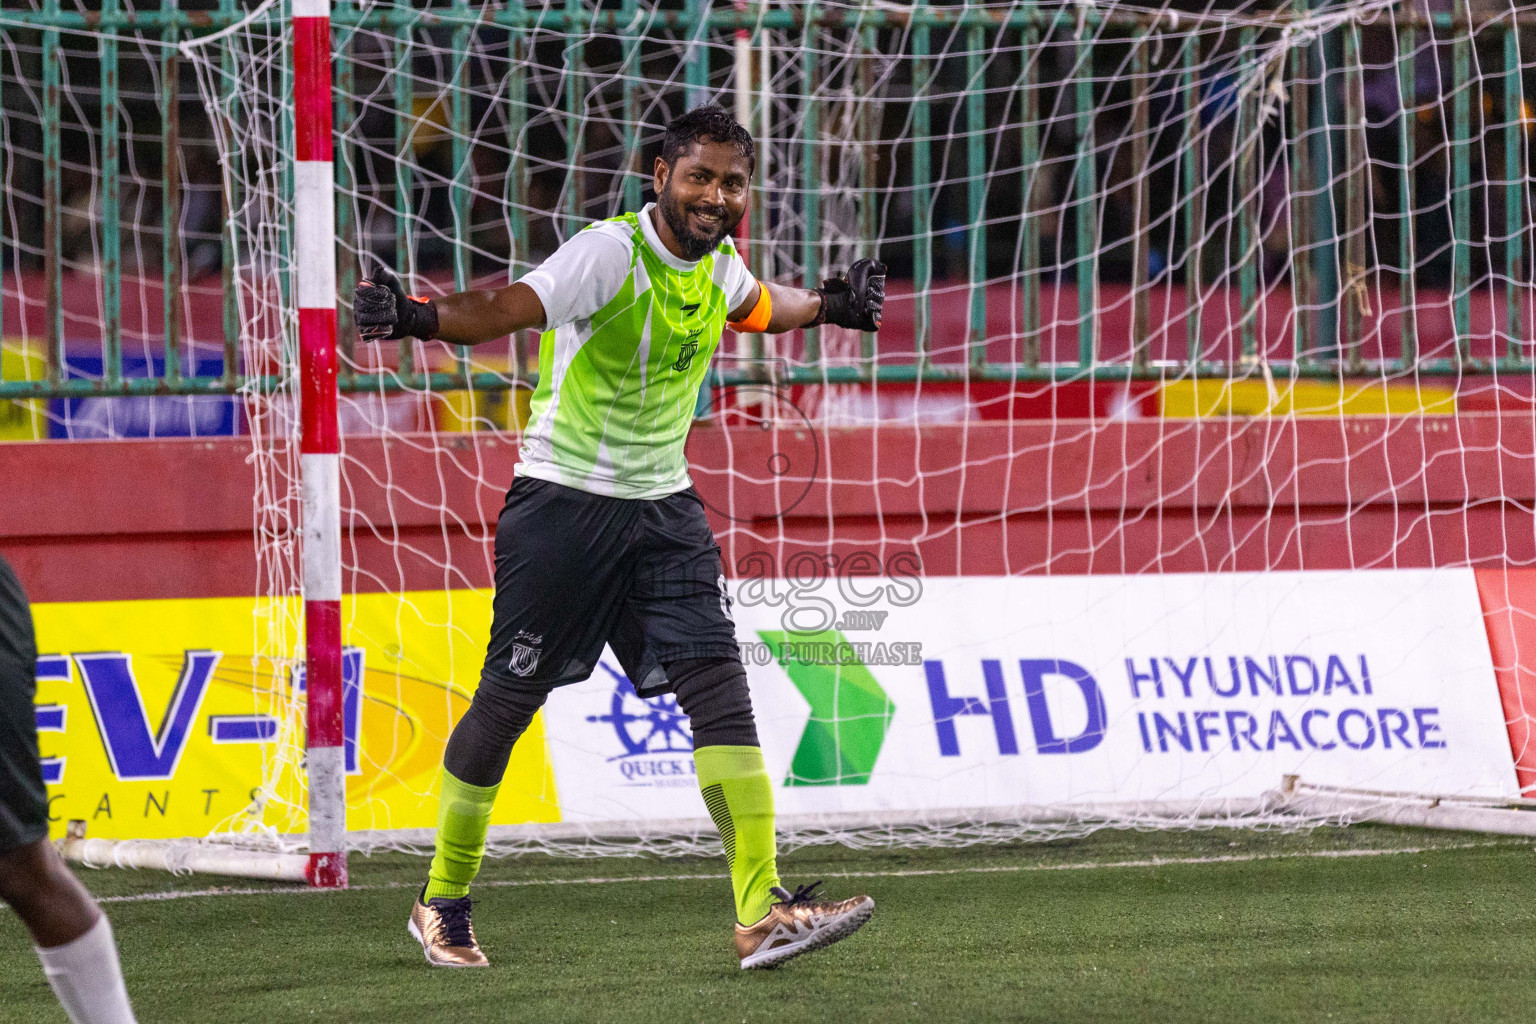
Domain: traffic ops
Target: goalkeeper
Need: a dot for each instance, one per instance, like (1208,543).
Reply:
(602,538)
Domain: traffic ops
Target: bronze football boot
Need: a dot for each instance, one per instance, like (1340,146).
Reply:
(799,923)
(447,938)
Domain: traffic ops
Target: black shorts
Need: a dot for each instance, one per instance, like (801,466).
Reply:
(23,798)
(576,570)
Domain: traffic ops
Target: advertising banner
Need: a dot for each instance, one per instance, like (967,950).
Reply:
(168,719)
(873,693)
(899,693)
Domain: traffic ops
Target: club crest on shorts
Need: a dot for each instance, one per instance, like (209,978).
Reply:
(525,653)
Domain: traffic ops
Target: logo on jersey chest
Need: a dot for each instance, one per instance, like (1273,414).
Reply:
(690,346)
(686,353)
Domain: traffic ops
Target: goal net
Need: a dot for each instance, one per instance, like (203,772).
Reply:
(1190,307)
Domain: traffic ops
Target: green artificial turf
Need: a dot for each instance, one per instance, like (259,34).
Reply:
(1263,929)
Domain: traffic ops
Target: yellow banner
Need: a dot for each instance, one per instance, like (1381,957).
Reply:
(1220,397)
(22,419)
(170,719)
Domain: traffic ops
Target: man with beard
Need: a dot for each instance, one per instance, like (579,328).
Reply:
(602,538)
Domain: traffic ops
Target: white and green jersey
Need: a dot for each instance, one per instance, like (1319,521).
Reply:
(629,333)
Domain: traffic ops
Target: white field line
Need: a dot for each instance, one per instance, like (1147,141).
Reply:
(1149,862)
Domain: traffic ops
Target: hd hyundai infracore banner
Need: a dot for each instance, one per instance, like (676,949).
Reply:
(891,693)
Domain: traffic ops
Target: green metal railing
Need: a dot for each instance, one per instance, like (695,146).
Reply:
(1337,217)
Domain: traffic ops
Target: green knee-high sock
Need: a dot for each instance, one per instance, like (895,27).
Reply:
(739,796)
(463,817)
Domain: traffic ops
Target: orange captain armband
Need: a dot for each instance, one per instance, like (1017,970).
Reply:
(757,320)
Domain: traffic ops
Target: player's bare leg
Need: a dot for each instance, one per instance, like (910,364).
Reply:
(46,895)
(73,937)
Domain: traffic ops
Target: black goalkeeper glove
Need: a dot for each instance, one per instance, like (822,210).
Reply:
(383,312)
(854,301)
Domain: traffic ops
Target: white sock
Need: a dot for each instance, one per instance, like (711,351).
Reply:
(86,978)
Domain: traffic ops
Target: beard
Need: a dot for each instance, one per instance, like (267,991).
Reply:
(694,245)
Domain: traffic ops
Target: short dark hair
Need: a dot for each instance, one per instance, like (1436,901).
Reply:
(709,123)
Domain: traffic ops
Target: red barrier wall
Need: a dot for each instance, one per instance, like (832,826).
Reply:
(1222,316)
(174,518)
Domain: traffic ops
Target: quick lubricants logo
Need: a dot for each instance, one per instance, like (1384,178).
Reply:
(654,739)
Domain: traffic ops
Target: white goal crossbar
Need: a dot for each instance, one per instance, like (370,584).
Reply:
(181,857)
(1500,816)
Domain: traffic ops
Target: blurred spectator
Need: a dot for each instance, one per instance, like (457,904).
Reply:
(202,213)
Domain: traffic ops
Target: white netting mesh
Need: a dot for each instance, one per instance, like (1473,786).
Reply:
(1215,199)
(108,222)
